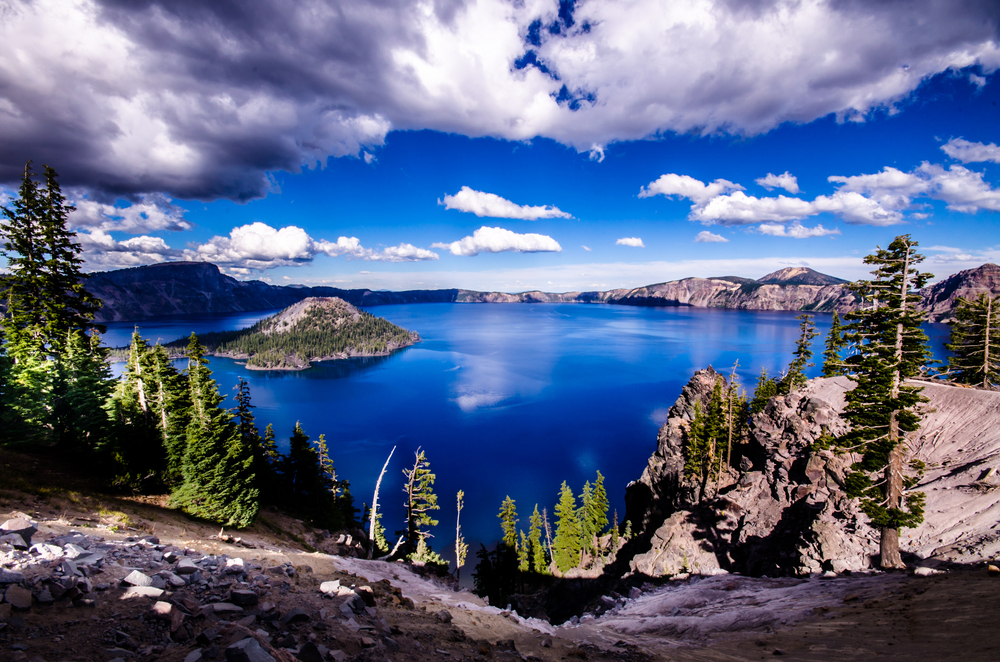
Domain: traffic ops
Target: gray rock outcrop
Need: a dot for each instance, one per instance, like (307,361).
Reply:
(778,508)
(781,507)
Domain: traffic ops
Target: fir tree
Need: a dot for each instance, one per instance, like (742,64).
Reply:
(420,501)
(137,453)
(598,511)
(567,543)
(268,461)
(508,522)
(522,554)
(539,564)
(219,481)
(833,362)
(170,399)
(23,246)
(587,532)
(85,384)
(975,342)
(796,377)
(889,347)
(766,389)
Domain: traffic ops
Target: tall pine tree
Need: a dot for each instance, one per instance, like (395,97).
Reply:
(833,360)
(567,543)
(219,482)
(796,376)
(889,348)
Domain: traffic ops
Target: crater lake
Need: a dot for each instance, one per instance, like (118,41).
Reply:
(505,399)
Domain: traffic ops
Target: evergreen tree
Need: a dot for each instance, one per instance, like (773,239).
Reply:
(587,532)
(136,455)
(766,389)
(306,487)
(598,511)
(170,399)
(85,384)
(539,564)
(66,304)
(268,461)
(23,246)
(522,554)
(420,501)
(796,377)
(219,480)
(975,342)
(890,348)
(508,522)
(833,362)
(567,543)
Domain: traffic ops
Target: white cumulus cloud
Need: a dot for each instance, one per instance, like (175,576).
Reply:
(499,240)
(786,181)
(970,152)
(795,230)
(492,205)
(102,251)
(635,242)
(147,213)
(706,237)
(684,186)
(259,246)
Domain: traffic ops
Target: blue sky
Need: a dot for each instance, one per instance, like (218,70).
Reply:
(598,152)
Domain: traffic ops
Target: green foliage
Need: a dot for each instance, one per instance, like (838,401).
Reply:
(522,554)
(975,342)
(420,501)
(218,469)
(705,437)
(766,389)
(48,310)
(539,563)
(324,331)
(833,361)
(508,522)
(424,554)
(568,542)
(593,513)
(889,347)
(795,377)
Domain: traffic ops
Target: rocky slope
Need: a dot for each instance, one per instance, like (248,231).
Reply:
(939,300)
(781,509)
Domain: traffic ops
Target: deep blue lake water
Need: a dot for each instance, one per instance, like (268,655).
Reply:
(505,399)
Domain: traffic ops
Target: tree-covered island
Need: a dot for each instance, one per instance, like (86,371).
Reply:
(314,329)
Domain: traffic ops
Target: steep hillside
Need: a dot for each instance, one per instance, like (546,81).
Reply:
(939,300)
(799,276)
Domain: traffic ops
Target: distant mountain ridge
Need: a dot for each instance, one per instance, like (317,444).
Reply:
(176,288)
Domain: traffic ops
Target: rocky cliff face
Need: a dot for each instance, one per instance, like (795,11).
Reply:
(179,288)
(781,507)
(939,300)
(198,287)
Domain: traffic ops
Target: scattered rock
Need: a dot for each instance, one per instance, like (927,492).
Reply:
(21,526)
(309,652)
(994,571)
(142,592)
(330,588)
(18,597)
(925,572)
(135,578)
(248,650)
(444,616)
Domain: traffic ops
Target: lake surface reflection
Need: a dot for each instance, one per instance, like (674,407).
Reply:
(506,399)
